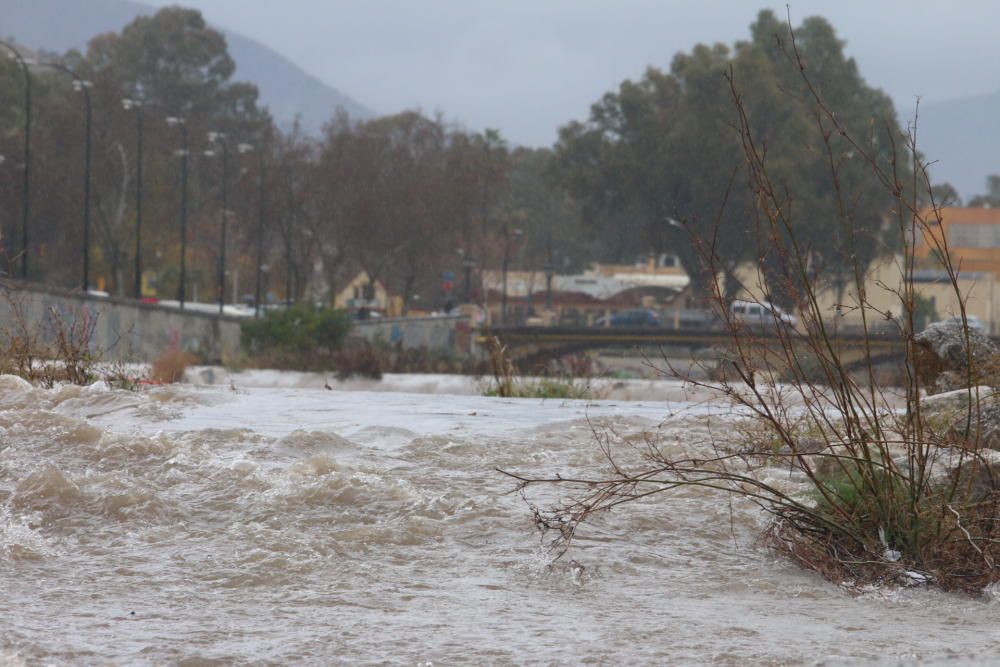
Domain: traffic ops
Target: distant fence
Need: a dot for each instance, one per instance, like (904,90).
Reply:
(451,333)
(123,329)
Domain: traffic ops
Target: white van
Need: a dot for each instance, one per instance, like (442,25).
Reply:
(760,315)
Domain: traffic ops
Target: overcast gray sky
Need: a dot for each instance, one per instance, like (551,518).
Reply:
(528,66)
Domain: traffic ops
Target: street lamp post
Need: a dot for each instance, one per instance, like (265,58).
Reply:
(261,207)
(26,182)
(289,229)
(130,104)
(509,236)
(288,246)
(550,268)
(468,263)
(82,85)
(183,153)
(219,138)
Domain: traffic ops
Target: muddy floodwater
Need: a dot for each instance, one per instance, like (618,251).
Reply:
(267,520)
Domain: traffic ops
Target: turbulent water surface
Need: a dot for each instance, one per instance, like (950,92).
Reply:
(235,524)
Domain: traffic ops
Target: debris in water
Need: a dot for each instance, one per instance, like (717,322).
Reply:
(911,578)
(577,570)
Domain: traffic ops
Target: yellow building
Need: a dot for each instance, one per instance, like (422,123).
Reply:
(973,238)
(883,286)
(360,292)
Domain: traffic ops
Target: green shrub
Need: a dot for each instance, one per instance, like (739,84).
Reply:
(300,334)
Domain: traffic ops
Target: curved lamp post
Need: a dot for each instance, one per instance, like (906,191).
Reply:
(129,105)
(468,264)
(510,235)
(26,183)
(550,269)
(261,206)
(220,139)
(81,85)
(175,121)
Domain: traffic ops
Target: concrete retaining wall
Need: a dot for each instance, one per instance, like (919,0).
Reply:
(451,334)
(129,331)
(122,329)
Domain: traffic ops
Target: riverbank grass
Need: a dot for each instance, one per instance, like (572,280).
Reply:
(506,382)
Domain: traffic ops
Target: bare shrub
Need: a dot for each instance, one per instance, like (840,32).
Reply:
(504,373)
(508,383)
(882,492)
(171,365)
(57,347)
(72,346)
(21,343)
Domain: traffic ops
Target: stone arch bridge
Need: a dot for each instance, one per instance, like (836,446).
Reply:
(531,347)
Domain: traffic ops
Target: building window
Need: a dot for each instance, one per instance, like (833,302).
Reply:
(965,235)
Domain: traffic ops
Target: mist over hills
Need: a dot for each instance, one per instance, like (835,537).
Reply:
(961,138)
(285,88)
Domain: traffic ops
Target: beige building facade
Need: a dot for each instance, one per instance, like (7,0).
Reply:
(883,286)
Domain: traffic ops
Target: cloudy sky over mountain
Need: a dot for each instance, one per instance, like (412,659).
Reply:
(527,66)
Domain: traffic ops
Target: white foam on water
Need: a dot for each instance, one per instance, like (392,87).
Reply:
(294,524)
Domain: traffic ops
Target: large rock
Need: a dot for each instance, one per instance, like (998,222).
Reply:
(947,405)
(977,474)
(969,418)
(972,476)
(941,358)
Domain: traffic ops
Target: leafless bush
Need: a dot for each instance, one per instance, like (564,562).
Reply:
(72,345)
(885,492)
(170,366)
(507,382)
(55,347)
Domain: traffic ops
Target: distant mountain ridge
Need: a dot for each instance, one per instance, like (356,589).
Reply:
(285,88)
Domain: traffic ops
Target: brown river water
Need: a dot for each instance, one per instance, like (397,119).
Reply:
(286,524)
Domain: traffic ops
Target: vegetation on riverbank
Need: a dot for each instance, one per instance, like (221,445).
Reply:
(305,338)
(56,349)
(506,382)
(876,488)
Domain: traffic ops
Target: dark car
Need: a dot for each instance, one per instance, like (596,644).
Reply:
(640,317)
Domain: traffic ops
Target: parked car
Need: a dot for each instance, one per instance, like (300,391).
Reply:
(693,319)
(639,317)
(761,315)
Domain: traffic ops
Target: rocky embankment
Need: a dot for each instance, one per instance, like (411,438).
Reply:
(962,407)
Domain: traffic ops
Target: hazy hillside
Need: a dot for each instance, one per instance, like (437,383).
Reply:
(963,136)
(58,25)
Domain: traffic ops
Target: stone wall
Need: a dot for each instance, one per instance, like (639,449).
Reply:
(122,329)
